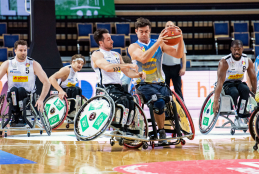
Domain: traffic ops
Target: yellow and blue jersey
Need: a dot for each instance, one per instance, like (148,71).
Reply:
(153,68)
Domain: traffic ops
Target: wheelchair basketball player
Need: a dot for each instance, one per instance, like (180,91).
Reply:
(21,73)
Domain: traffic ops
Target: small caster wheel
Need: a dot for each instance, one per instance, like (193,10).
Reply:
(145,145)
(41,132)
(121,142)
(5,134)
(255,147)
(183,142)
(67,126)
(28,134)
(112,142)
(244,131)
(77,139)
(232,131)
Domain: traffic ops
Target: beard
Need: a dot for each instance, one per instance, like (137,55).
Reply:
(22,57)
(108,47)
(236,58)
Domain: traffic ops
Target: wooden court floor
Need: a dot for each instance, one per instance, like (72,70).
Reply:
(59,155)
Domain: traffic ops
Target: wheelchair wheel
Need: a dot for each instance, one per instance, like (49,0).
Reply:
(56,110)
(185,120)
(207,119)
(94,117)
(139,124)
(253,124)
(45,122)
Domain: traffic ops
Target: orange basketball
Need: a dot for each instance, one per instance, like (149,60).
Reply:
(173,36)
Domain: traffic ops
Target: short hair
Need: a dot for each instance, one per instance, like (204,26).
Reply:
(98,35)
(236,42)
(19,42)
(77,56)
(142,22)
(126,59)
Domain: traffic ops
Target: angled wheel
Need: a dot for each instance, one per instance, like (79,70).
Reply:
(185,120)
(207,119)
(56,110)
(94,117)
(140,125)
(252,123)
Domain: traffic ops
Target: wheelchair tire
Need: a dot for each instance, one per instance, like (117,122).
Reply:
(49,105)
(92,121)
(138,100)
(210,125)
(45,122)
(252,123)
(144,133)
(186,112)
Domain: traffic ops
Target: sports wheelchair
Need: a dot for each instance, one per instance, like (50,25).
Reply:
(254,126)
(57,109)
(31,117)
(207,119)
(101,112)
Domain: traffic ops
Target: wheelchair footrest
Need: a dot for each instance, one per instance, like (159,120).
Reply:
(134,131)
(116,125)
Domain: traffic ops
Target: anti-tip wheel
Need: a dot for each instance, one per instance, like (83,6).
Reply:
(67,126)
(112,142)
(41,132)
(244,131)
(145,145)
(5,134)
(183,142)
(121,142)
(255,147)
(232,131)
(28,134)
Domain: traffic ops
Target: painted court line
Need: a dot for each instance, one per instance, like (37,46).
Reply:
(8,158)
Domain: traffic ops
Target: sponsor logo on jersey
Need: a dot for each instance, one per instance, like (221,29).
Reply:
(16,72)
(232,72)
(236,76)
(27,65)
(20,78)
(172,33)
(69,84)
(243,63)
(143,49)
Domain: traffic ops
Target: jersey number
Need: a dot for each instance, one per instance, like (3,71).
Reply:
(27,70)
(244,68)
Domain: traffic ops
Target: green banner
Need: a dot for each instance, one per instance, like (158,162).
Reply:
(85,7)
(90,8)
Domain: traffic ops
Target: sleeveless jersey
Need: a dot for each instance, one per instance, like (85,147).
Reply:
(104,77)
(153,68)
(71,80)
(236,69)
(257,72)
(21,74)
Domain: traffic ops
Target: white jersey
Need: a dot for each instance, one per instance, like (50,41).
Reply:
(104,77)
(71,80)
(21,74)
(236,69)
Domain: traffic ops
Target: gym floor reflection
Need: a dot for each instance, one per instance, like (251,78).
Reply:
(99,157)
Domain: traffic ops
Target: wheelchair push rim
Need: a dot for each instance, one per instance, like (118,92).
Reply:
(252,124)
(141,124)
(186,122)
(207,119)
(56,110)
(94,117)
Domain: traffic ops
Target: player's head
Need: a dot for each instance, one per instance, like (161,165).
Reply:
(143,29)
(103,39)
(20,49)
(169,24)
(236,49)
(77,62)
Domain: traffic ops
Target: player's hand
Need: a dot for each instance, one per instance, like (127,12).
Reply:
(142,75)
(39,105)
(133,66)
(182,71)
(161,37)
(215,107)
(62,94)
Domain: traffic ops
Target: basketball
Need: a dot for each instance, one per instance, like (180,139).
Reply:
(173,36)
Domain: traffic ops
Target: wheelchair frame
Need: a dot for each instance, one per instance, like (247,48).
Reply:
(150,136)
(45,124)
(224,109)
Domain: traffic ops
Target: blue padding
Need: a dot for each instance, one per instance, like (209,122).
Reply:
(87,89)
(8,158)
(159,104)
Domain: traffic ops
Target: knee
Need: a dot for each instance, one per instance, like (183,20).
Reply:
(21,90)
(159,105)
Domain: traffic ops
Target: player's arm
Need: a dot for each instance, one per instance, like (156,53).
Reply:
(131,73)
(222,70)
(100,62)
(45,82)
(137,54)
(252,75)
(4,68)
(62,73)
